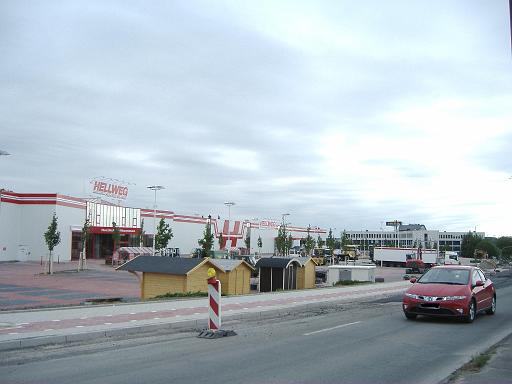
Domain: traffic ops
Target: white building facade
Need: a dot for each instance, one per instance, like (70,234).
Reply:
(25,217)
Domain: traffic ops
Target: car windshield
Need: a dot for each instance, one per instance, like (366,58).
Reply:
(445,276)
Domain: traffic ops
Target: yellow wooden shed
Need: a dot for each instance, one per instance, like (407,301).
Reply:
(162,275)
(234,276)
(306,274)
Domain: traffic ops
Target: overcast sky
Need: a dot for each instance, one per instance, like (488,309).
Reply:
(344,114)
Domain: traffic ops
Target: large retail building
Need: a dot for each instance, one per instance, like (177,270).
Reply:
(25,217)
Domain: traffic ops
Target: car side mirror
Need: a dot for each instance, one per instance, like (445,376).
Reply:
(479,283)
(412,280)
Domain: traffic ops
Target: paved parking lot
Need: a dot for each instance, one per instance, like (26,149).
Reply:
(24,285)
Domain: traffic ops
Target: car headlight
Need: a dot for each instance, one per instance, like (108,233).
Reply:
(412,296)
(451,298)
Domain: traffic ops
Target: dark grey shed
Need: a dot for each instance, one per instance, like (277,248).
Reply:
(277,273)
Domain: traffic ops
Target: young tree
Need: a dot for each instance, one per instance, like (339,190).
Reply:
(85,236)
(280,243)
(163,235)
(320,242)
(140,237)
(206,242)
(116,237)
(330,242)
(221,240)
(288,244)
(309,242)
(52,239)
(260,243)
(248,243)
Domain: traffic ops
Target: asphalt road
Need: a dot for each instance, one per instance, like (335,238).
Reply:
(354,343)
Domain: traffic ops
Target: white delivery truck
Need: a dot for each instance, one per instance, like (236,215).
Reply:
(397,257)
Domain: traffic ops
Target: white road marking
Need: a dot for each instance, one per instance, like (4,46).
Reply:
(56,320)
(13,333)
(133,313)
(133,321)
(49,329)
(23,324)
(79,326)
(156,318)
(330,329)
(246,308)
(153,311)
(197,313)
(83,318)
(107,323)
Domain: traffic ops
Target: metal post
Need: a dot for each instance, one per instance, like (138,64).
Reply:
(155,188)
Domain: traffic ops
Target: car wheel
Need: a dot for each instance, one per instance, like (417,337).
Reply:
(492,310)
(470,317)
(410,316)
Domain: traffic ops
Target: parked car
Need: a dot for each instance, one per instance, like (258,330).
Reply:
(452,291)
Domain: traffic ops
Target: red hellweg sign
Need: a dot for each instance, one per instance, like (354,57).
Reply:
(111,189)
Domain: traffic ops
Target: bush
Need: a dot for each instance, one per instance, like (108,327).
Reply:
(350,282)
(180,294)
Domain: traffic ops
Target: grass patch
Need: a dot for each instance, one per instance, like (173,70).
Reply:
(180,294)
(350,282)
(475,365)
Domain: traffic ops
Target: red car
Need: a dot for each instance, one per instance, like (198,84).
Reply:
(452,291)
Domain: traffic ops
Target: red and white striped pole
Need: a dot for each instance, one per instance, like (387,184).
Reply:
(214,294)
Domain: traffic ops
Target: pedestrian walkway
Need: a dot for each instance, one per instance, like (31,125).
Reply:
(23,328)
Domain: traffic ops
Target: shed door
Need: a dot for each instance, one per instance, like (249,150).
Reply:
(290,277)
(264,279)
(345,274)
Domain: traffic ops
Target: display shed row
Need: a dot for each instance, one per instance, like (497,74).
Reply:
(163,275)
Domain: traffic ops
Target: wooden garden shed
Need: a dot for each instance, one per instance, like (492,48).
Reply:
(277,273)
(306,274)
(161,275)
(234,276)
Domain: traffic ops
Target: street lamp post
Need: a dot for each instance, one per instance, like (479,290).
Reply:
(284,232)
(155,188)
(229,205)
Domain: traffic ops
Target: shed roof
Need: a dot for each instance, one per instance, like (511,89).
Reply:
(229,264)
(275,262)
(303,260)
(161,264)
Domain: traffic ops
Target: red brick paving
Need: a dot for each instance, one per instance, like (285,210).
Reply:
(98,281)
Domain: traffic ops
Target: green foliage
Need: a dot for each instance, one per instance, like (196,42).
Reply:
(140,236)
(351,282)
(320,242)
(206,242)
(116,235)
(468,245)
(163,235)
(247,242)
(221,239)
(504,241)
(280,243)
(487,246)
(86,229)
(309,242)
(260,242)
(180,294)
(52,236)
(289,244)
(330,242)
(345,240)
